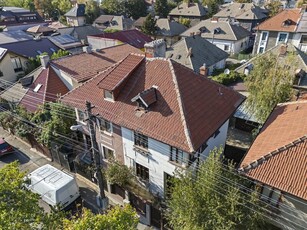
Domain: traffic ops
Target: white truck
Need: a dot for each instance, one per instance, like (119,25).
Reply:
(56,187)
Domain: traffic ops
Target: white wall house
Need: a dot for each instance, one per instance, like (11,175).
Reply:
(231,47)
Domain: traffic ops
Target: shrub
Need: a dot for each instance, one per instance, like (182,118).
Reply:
(118,174)
(227,79)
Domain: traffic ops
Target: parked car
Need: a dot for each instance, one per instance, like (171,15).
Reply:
(5,148)
(57,188)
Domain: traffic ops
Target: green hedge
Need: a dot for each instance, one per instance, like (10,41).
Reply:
(227,79)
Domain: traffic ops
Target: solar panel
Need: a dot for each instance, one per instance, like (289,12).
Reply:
(26,81)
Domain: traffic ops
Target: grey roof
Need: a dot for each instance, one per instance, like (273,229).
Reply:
(193,52)
(79,32)
(300,57)
(14,9)
(139,22)
(244,113)
(243,11)
(31,48)
(227,31)
(14,36)
(302,26)
(191,9)
(16,92)
(166,27)
(114,22)
(65,42)
(77,11)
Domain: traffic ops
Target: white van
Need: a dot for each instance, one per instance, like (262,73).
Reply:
(55,186)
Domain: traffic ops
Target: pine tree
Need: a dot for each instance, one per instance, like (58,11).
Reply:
(149,26)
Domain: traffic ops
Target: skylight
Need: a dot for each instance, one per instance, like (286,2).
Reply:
(37,88)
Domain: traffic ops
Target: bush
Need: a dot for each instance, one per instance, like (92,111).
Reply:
(118,174)
(227,79)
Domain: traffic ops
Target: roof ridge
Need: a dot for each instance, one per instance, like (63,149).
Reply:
(292,103)
(181,108)
(269,155)
(46,86)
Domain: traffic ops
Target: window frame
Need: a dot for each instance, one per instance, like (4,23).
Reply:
(278,37)
(106,155)
(105,126)
(17,65)
(177,155)
(140,140)
(142,172)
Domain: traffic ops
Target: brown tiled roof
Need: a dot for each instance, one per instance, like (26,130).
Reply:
(119,74)
(188,111)
(86,65)
(51,85)
(149,96)
(278,156)
(276,23)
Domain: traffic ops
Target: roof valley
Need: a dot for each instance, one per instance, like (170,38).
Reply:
(181,108)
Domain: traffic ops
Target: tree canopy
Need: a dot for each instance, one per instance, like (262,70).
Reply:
(135,8)
(269,83)
(212,199)
(161,8)
(274,7)
(113,7)
(149,26)
(212,5)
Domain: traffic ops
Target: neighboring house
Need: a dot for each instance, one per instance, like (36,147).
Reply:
(12,66)
(139,22)
(133,37)
(229,37)
(281,28)
(113,22)
(197,53)
(169,30)
(14,36)
(79,32)
(15,58)
(38,87)
(190,10)
(248,15)
(76,15)
(67,42)
(15,18)
(154,116)
(40,30)
(277,163)
(76,69)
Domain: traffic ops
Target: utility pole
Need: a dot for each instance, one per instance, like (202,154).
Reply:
(102,200)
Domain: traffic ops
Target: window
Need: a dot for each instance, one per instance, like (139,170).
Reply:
(282,38)
(107,153)
(142,172)
(81,115)
(17,64)
(304,39)
(108,95)
(105,125)
(264,36)
(1,73)
(140,140)
(203,147)
(261,50)
(177,155)
(226,47)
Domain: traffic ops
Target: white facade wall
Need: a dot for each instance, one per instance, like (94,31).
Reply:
(159,155)
(100,43)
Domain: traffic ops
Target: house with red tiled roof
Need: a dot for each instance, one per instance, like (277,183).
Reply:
(288,26)
(155,116)
(277,162)
(76,69)
(41,86)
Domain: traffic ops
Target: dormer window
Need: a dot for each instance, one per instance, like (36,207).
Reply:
(287,22)
(146,98)
(108,95)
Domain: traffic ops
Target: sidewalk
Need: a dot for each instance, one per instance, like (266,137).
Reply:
(30,159)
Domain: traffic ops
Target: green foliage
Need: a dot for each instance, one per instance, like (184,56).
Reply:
(113,7)
(60,53)
(135,8)
(185,21)
(206,201)
(118,218)
(244,1)
(227,79)
(300,3)
(44,8)
(110,30)
(149,26)
(118,174)
(34,63)
(269,83)
(161,8)
(19,207)
(212,5)
(60,7)
(92,11)
(274,7)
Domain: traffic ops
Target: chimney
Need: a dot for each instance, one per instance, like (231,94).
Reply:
(44,60)
(214,19)
(87,49)
(155,48)
(283,49)
(203,70)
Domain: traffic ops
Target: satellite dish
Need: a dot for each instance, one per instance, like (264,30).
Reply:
(226,71)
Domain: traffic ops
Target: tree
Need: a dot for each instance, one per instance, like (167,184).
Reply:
(161,8)
(92,10)
(59,53)
(113,7)
(269,83)
(185,21)
(117,218)
(300,3)
(149,26)
(274,7)
(44,8)
(60,7)
(19,207)
(135,8)
(212,5)
(212,199)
